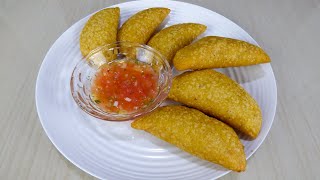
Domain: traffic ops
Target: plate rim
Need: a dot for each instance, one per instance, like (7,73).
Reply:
(70,27)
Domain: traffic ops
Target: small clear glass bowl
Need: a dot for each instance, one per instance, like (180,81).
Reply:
(85,71)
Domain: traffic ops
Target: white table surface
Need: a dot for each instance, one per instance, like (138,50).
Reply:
(289,30)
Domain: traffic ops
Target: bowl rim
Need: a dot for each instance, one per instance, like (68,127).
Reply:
(149,48)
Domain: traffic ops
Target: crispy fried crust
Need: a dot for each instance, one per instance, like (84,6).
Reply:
(139,27)
(169,40)
(197,134)
(218,52)
(100,29)
(217,95)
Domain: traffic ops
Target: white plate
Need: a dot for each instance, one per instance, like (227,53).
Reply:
(113,150)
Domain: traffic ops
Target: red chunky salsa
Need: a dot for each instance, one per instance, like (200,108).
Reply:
(124,86)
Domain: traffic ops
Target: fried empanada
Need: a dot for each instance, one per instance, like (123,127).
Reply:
(195,133)
(100,29)
(219,96)
(218,52)
(169,40)
(139,27)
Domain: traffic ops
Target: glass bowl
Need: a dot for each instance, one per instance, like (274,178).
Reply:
(84,73)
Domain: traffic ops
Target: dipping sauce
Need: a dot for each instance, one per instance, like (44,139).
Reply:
(124,86)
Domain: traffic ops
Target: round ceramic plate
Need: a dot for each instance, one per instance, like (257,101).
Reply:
(113,150)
